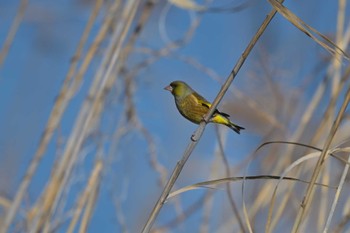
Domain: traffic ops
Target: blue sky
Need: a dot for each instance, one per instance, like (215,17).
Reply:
(38,61)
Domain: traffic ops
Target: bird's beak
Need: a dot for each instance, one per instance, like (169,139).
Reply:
(168,88)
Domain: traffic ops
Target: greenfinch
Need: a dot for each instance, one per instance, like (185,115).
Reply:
(193,106)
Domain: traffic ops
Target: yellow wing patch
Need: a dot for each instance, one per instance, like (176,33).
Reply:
(201,100)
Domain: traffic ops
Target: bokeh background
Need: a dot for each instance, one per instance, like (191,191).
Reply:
(88,136)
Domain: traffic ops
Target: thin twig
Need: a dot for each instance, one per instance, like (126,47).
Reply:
(90,187)
(13,30)
(228,186)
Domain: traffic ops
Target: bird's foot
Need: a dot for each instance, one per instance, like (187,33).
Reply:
(193,137)
(203,119)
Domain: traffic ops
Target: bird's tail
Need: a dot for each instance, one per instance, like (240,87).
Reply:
(235,127)
(222,118)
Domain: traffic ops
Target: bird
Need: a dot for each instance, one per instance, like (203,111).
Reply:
(193,106)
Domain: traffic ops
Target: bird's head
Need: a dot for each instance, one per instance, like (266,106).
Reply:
(179,89)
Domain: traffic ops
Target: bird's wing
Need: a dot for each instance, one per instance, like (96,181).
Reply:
(201,100)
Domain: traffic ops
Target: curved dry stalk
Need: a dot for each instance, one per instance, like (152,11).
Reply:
(263,195)
(226,180)
(269,225)
(297,134)
(346,149)
(304,121)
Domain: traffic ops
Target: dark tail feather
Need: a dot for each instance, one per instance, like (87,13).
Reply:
(236,128)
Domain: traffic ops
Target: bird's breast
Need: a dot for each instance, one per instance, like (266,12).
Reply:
(191,109)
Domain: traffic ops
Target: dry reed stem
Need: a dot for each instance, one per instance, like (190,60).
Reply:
(333,71)
(336,79)
(292,166)
(337,85)
(336,197)
(308,30)
(87,112)
(326,119)
(145,14)
(301,126)
(310,190)
(100,37)
(89,207)
(262,199)
(4,202)
(310,109)
(264,194)
(92,183)
(297,134)
(318,94)
(233,205)
(209,198)
(54,119)
(282,207)
(13,30)
(337,59)
(336,90)
(209,183)
(342,223)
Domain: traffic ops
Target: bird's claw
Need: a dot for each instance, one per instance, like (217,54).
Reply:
(203,119)
(193,137)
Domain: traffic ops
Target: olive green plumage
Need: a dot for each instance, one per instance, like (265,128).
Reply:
(193,106)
